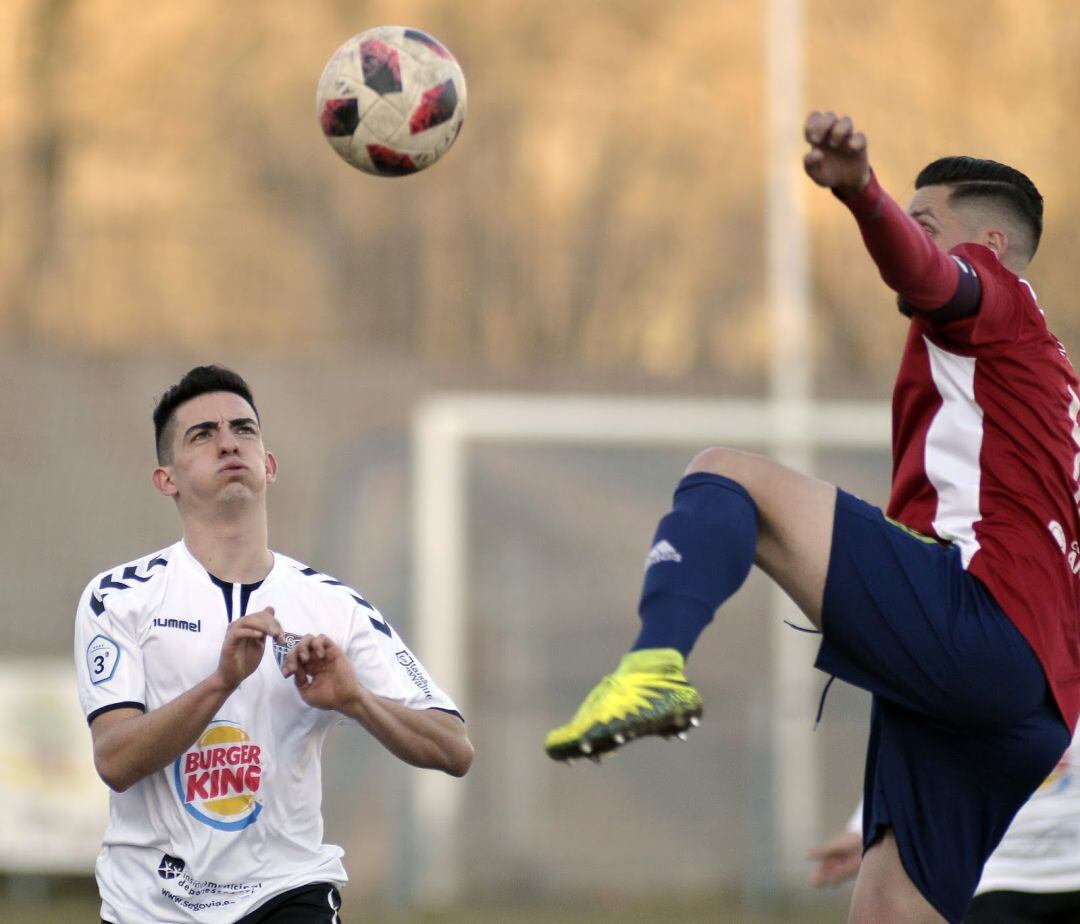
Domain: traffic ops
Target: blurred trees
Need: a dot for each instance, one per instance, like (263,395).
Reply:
(164,181)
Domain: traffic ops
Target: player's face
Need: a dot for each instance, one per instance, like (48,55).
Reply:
(930,208)
(218,453)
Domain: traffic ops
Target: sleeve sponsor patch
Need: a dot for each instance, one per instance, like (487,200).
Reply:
(416,675)
(102,655)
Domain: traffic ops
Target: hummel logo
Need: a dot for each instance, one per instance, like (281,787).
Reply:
(185,624)
(662,551)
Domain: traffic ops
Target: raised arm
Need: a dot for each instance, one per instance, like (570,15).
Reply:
(426,738)
(909,261)
(129,745)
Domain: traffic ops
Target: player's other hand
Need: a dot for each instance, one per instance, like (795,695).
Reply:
(838,859)
(837,157)
(323,675)
(245,642)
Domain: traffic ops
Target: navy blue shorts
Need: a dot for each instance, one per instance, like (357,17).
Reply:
(963,726)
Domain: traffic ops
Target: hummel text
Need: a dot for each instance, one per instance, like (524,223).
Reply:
(179,624)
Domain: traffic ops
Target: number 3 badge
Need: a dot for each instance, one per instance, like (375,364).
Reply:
(102,655)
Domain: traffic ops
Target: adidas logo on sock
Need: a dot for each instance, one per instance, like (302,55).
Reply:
(662,551)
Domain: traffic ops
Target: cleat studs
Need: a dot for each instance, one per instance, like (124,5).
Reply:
(585,748)
(694,721)
(619,739)
(681,736)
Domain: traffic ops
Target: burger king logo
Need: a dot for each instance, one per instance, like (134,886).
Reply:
(218,780)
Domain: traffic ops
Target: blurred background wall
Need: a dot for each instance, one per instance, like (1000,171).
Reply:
(166,199)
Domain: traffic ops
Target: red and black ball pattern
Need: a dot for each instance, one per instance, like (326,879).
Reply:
(381,67)
(391,100)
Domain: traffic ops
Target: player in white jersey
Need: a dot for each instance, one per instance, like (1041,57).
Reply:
(209,737)
(1032,877)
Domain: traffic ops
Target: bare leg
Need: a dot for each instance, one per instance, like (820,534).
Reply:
(883,891)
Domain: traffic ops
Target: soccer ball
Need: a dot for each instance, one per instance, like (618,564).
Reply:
(391,100)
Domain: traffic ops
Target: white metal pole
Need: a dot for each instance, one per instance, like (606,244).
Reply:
(438,494)
(795,757)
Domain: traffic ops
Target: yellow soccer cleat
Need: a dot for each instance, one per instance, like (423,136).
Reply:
(648,694)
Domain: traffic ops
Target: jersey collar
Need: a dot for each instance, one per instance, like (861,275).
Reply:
(195,565)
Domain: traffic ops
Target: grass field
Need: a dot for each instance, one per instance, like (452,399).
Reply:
(75,901)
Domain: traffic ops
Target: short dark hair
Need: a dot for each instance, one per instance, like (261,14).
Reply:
(201,380)
(976,178)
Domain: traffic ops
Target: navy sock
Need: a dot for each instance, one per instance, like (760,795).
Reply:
(701,554)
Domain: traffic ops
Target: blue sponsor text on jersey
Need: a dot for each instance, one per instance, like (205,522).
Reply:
(408,662)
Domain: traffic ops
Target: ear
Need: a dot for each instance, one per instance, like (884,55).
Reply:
(998,241)
(271,468)
(163,481)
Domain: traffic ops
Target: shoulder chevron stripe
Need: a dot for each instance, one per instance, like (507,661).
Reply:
(139,571)
(131,572)
(383,627)
(334,582)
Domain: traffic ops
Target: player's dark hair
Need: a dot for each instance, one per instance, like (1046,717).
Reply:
(975,178)
(201,380)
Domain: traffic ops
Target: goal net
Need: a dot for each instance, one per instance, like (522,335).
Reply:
(531,519)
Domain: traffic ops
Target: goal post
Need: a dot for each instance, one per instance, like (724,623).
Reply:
(444,428)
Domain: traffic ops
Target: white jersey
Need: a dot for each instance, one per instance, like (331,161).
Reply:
(237,818)
(1040,851)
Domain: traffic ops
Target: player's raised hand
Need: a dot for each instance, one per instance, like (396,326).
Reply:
(245,641)
(323,675)
(837,157)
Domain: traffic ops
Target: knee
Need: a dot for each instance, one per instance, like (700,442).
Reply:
(747,470)
(731,463)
